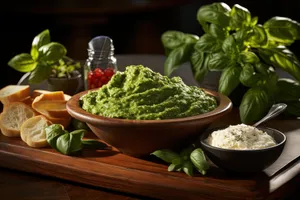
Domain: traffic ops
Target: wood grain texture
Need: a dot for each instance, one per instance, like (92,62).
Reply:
(147,177)
(25,186)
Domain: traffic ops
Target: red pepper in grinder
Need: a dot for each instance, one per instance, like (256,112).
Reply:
(97,78)
(101,64)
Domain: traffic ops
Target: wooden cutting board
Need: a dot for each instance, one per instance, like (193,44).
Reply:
(149,176)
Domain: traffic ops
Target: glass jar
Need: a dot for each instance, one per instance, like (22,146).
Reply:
(101,64)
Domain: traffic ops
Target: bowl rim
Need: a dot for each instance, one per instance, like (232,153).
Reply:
(204,136)
(225,105)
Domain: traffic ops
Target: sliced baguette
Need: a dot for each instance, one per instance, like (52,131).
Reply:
(14,93)
(57,95)
(28,100)
(13,116)
(33,131)
(37,93)
(54,109)
(53,106)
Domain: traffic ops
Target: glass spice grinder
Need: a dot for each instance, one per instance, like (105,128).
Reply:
(101,64)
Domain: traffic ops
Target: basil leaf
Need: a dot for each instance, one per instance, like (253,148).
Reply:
(218,61)
(242,35)
(34,53)
(229,80)
(185,153)
(166,155)
(258,37)
(217,32)
(76,144)
(288,90)
(261,68)
(177,57)
(218,6)
(199,65)
(40,73)
(53,132)
(172,39)
(293,108)
(229,46)
(240,17)
(248,76)
(283,58)
(241,38)
(22,63)
(216,13)
(70,143)
(79,125)
(190,38)
(254,21)
(63,143)
(282,30)
(188,168)
(199,160)
(269,82)
(174,167)
(52,52)
(249,57)
(177,161)
(254,105)
(41,39)
(207,43)
(94,144)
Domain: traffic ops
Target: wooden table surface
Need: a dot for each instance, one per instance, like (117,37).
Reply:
(16,185)
(21,185)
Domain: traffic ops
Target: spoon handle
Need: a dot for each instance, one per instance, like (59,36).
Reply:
(275,110)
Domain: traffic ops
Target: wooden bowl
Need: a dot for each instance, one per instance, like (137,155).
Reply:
(141,137)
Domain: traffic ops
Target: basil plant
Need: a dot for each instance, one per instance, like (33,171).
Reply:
(45,58)
(245,52)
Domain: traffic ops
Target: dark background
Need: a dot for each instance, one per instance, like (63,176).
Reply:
(134,25)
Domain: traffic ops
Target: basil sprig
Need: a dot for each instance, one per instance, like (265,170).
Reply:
(188,160)
(245,52)
(70,143)
(43,55)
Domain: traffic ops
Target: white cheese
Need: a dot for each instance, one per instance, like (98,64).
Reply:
(240,136)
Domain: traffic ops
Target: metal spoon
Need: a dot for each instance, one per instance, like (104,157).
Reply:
(274,111)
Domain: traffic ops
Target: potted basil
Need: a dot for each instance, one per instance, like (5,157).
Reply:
(246,54)
(48,61)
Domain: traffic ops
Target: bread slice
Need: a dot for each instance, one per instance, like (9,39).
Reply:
(33,131)
(28,100)
(57,95)
(55,108)
(13,116)
(37,93)
(14,93)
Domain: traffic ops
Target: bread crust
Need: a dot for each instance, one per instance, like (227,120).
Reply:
(20,94)
(37,93)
